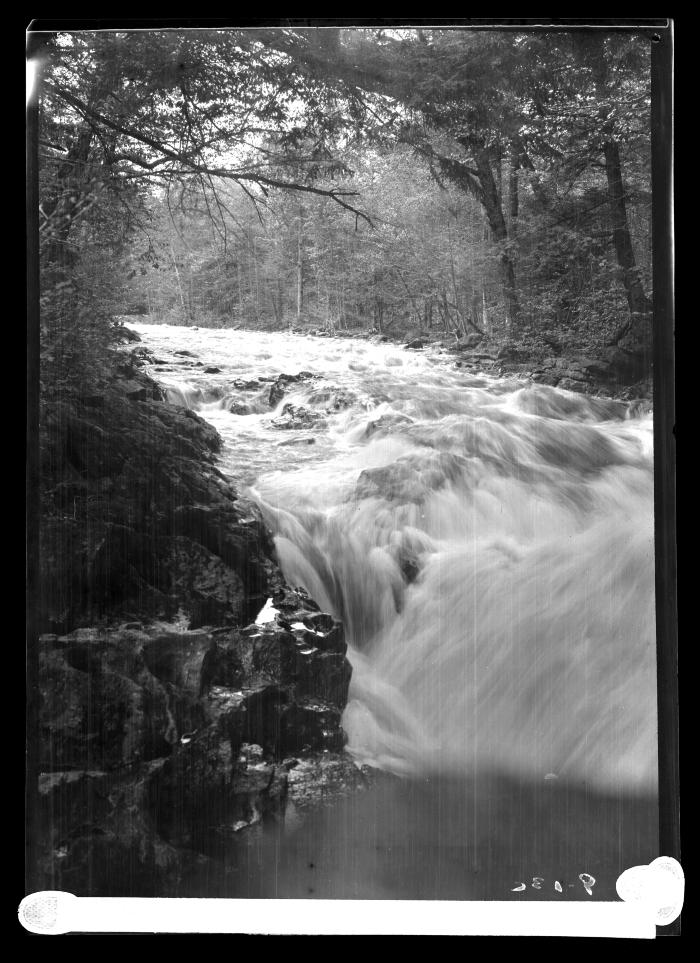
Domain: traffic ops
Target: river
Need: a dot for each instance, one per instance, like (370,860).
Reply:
(488,544)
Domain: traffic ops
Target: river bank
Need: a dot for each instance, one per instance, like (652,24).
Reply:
(619,370)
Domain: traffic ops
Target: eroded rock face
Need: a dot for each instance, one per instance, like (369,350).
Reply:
(162,747)
(136,518)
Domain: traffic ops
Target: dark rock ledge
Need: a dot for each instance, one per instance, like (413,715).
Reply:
(173,728)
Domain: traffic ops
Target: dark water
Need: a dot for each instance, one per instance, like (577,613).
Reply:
(493,838)
(489,547)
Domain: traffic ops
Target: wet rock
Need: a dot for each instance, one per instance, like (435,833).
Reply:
(278,389)
(296,417)
(289,601)
(202,583)
(416,344)
(307,726)
(254,385)
(297,441)
(100,707)
(97,838)
(260,793)
(193,792)
(546,378)
(320,778)
(575,370)
(410,569)
(325,632)
(185,354)
(332,399)
(323,675)
(184,660)
(120,476)
(571,384)
(238,408)
(212,370)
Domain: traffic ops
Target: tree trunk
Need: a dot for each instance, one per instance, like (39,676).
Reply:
(494,213)
(300,270)
(639,304)
(179,282)
(638,332)
(60,210)
(513,193)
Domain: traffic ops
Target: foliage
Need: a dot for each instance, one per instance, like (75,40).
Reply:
(395,180)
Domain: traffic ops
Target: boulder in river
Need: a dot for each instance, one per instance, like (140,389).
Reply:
(278,389)
(296,417)
(240,408)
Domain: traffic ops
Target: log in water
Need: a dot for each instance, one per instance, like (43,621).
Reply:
(488,544)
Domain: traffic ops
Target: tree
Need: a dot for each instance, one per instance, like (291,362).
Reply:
(474,103)
(230,151)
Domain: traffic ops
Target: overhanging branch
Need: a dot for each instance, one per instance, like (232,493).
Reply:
(94,117)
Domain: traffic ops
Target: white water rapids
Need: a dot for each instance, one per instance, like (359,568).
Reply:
(488,544)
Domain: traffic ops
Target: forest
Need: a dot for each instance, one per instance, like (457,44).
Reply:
(307,180)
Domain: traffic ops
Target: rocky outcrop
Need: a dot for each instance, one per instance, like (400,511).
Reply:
(611,371)
(170,719)
(163,749)
(136,518)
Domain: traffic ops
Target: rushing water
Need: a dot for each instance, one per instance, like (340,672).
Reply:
(488,544)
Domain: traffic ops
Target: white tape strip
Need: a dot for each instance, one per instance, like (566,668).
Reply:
(54,913)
